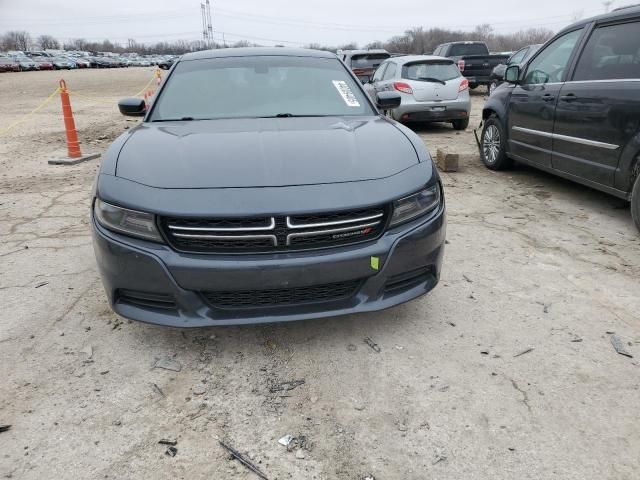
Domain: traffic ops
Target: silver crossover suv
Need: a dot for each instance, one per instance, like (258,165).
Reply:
(432,89)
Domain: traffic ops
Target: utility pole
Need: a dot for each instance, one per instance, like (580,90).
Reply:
(607,5)
(205,38)
(209,25)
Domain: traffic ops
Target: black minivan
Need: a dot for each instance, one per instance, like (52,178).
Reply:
(574,108)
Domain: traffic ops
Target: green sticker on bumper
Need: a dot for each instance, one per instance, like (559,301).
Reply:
(375,263)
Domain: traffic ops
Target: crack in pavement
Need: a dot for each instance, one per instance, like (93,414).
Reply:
(525,396)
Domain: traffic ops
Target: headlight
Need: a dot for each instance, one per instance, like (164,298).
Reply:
(415,205)
(129,222)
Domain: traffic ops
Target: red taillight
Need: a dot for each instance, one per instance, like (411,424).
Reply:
(464,85)
(461,65)
(402,87)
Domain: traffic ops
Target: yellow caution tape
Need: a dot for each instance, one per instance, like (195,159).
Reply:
(141,92)
(24,118)
(89,97)
(103,100)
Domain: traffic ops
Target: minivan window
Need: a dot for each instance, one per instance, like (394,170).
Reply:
(430,69)
(551,63)
(612,52)
(462,49)
(259,86)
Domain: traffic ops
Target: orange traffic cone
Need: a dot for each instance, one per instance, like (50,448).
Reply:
(73,145)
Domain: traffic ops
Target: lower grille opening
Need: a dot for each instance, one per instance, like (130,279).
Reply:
(282,297)
(146,300)
(408,280)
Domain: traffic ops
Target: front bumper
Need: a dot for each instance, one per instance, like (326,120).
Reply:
(409,263)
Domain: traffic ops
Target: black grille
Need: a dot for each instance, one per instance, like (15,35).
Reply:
(282,297)
(278,233)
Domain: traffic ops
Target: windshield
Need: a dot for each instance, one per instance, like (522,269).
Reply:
(429,70)
(259,86)
(368,60)
(462,49)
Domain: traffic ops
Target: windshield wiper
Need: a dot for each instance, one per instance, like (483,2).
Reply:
(182,119)
(431,79)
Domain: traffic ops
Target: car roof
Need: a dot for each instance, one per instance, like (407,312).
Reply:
(401,60)
(256,52)
(619,13)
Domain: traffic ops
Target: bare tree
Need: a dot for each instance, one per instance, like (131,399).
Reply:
(348,46)
(47,42)
(16,40)
(374,45)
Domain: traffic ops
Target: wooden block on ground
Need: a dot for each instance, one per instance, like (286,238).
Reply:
(447,162)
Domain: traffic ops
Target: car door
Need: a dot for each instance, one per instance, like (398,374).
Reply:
(598,111)
(533,101)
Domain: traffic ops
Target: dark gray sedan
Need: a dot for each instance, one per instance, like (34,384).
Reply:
(264,185)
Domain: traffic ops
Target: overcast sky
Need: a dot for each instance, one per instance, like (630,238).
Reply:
(288,22)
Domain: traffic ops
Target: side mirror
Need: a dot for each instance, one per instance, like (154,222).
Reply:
(512,74)
(388,100)
(132,107)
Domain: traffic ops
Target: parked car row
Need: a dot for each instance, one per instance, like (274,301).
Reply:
(16,61)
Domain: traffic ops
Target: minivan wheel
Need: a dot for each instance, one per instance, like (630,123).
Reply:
(460,124)
(492,145)
(635,202)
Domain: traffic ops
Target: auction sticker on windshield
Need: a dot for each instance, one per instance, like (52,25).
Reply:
(346,93)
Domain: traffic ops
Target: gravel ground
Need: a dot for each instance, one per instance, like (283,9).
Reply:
(532,262)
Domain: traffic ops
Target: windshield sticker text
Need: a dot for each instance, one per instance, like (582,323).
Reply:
(346,93)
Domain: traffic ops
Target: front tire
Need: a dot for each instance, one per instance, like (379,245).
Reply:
(493,142)
(460,124)
(635,202)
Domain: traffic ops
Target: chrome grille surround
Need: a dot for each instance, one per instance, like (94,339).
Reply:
(274,233)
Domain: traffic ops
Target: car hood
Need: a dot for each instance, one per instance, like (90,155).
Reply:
(264,152)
